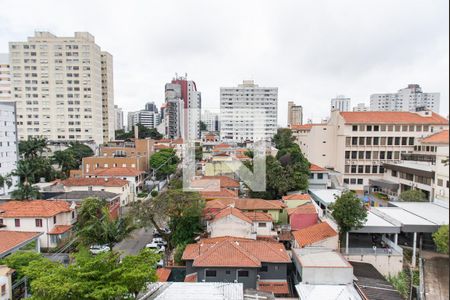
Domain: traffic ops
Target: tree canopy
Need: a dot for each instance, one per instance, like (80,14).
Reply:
(103,276)
(412,196)
(288,171)
(181,210)
(441,240)
(96,225)
(143,132)
(164,162)
(348,212)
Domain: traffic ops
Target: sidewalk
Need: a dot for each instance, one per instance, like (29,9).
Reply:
(135,242)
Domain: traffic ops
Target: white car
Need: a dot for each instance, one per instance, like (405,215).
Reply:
(159,241)
(156,247)
(96,249)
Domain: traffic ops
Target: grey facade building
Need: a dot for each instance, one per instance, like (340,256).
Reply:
(295,114)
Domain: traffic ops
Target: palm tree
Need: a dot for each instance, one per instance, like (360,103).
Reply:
(25,191)
(25,171)
(65,160)
(33,147)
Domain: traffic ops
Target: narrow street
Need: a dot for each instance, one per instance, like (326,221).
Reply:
(436,272)
(135,242)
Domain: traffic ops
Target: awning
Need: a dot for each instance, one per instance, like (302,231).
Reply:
(383,183)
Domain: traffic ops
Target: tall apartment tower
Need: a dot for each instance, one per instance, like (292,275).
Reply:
(211,120)
(63,88)
(340,103)
(8,143)
(361,107)
(295,114)
(118,118)
(410,98)
(5,78)
(183,109)
(107,96)
(248,112)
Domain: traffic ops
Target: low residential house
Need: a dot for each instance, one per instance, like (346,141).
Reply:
(257,264)
(215,183)
(319,235)
(323,274)
(219,194)
(6,283)
(303,216)
(231,221)
(272,207)
(134,177)
(319,178)
(12,241)
(112,185)
(51,217)
(295,200)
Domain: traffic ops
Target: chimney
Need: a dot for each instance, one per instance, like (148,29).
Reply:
(136,132)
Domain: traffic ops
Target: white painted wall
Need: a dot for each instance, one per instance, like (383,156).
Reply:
(231,226)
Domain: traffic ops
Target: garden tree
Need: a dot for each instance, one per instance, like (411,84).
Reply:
(5,180)
(412,196)
(103,276)
(203,126)
(177,257)
(198,152)
(19,260)
(33,147)
(164,162)
(31,170)
(79,151)
(25,191)
(182,209)
(143,132)
(66,161)
(348,212)
(123,135)
(283,139)
(97,226)
(441,240)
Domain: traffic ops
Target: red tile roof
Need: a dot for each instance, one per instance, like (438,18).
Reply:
(33,208)
(116,172)
(191,277)
(225,181)
(246,204)
(163,274)
(316,168)
(108,182)
(222,146)
(11,239)
(390,117)
(305,209)
(60,229)
(223,193)
(275,287)
(303,127)
(437,138)
(233,212)
(297,197)
(232,252)
(258,216)
(314,234)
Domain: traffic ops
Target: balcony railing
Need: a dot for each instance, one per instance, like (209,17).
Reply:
(370,251)
(419,157)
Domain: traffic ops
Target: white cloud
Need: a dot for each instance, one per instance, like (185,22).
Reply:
(311,50)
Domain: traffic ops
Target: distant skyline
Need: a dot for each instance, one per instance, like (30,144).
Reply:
(311,51)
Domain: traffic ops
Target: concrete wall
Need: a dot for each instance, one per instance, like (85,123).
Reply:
(327,275)
(229,275)
(385,264)
(274,271)
(231,226)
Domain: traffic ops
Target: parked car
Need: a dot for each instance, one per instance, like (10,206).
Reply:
(96,249)
(156,247)
(159,241)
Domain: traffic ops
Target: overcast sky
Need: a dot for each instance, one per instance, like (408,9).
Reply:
(311,50)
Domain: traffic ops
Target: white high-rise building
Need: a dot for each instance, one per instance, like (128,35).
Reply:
(410,98)
(361,107)
(211,120)
(340,103)
(149,119)
(248,112)
(8,143)
(118,118)
(5,78)
(62,89)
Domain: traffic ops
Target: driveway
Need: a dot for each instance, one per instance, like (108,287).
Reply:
(135,242)
(436,278)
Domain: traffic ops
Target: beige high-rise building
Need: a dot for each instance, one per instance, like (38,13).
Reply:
(5,78)
(62,89)
(295,114)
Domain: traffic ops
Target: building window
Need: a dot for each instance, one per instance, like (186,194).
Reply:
(353,170)
(3,289)
(346,181)
(440,183)
(355,128)
(368,155)
(376,141)
(353,181)
(347,154)
(394,173)
(1,221)
(369,127)
(210,273)
(360,154)
(361,141)
(73,214)
(360,181)
(228,272)
(360,169)
(38,222)
(390,141)
(54,220)
(263,269)
(354,154)
(262,224)
(242,273)
(17,222)
(354,141)
(369,141)
(320,176)
(367,169)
